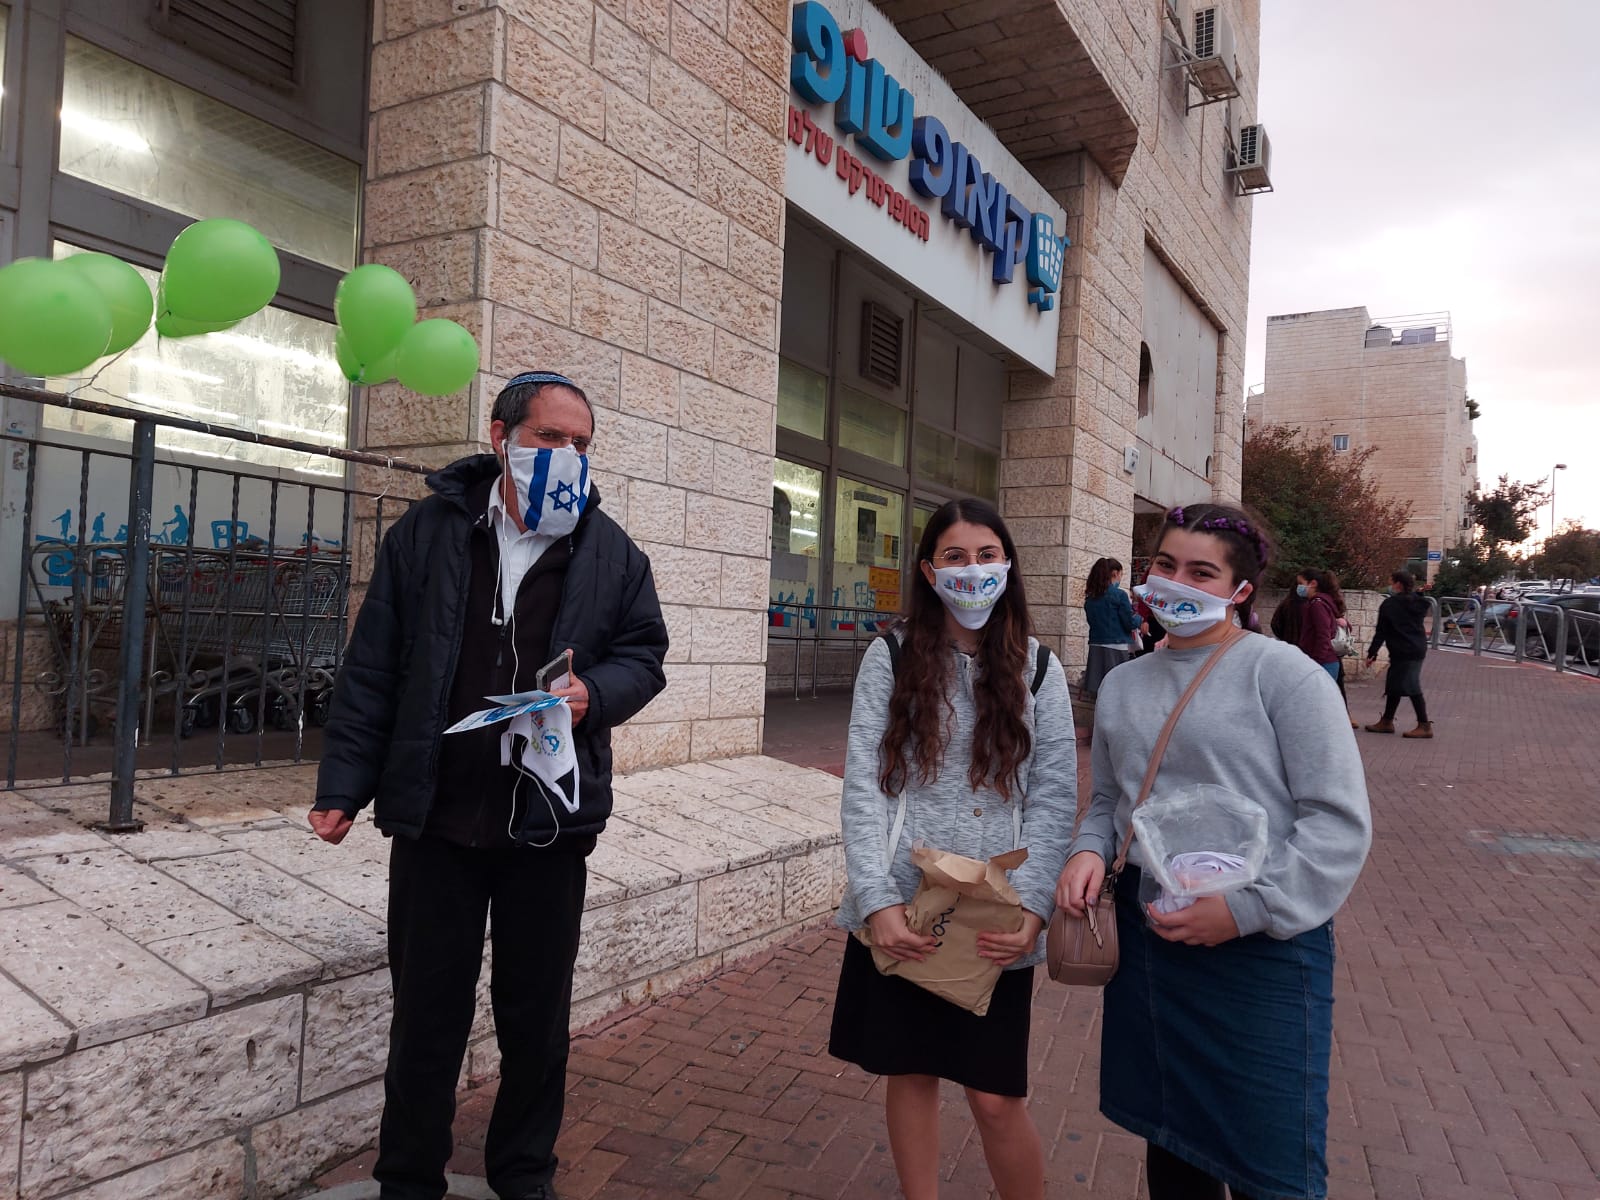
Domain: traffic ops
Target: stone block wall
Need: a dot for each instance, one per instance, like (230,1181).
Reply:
(1406,402)
(597,188)
(1063,487)
(201,1009)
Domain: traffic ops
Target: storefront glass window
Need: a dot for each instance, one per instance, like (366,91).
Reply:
(5,13)
(130,130)
(274,372)
(866,545)
(936,455)
(802,400)
(871,427)
(978,471)
(796,531)
(921,514)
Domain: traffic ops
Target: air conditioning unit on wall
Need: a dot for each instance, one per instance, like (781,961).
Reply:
(1252,154)
(1212,68)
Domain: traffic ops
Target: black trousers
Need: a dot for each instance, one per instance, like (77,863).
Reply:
(440,895)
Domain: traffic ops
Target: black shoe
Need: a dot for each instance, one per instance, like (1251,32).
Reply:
(543,1192)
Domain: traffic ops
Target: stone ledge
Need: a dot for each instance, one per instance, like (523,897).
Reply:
(226,961)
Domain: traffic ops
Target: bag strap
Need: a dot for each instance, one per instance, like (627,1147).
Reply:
(1160,750)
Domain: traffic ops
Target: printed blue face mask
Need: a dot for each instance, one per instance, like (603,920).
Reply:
(1301,590)
(551,485)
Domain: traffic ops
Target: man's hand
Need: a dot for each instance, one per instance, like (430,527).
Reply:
(1003,949)
(1371,659)
(330,825)
(891,933)
(577,698)
(1206,922)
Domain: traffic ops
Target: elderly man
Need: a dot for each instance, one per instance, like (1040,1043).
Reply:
(509,566)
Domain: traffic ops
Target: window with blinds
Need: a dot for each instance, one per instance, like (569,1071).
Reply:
(256,37)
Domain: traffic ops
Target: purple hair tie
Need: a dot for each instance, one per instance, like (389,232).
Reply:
(1176,515)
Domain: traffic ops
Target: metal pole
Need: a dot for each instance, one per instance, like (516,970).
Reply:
(141,490)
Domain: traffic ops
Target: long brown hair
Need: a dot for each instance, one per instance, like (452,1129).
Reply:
(1100,577)
(920,712)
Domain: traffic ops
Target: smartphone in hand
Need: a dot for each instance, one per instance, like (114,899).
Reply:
(555,674)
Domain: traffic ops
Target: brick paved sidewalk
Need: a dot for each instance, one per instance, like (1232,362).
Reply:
(1467,1048)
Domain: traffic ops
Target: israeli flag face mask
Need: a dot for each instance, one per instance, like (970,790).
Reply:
(552,486)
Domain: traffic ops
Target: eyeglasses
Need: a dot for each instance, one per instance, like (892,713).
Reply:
(554,439)
(956,557)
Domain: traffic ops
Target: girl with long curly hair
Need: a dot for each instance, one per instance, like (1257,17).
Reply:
(954,739)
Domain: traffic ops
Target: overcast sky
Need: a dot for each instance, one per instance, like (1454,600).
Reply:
(1431,155)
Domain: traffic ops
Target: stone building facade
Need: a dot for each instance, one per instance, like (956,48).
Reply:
(1392,385)
(601,187)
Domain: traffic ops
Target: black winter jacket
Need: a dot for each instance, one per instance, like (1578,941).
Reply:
(391,699)
(1401,625)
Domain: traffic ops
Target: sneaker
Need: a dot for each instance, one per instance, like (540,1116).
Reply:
(1381,727)
(1424,729)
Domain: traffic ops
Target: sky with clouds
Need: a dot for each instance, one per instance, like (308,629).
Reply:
(1430,155)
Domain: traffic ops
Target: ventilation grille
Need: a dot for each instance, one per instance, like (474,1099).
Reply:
(1250,146)
(1205,33)
(882,335)
(255,37)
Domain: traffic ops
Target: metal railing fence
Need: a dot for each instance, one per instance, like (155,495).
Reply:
(833,637)
(1564,638)
(139,639)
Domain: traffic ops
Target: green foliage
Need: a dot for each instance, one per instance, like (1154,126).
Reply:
(1323,509)
(1509,513)
(1573,553)
(1469,565)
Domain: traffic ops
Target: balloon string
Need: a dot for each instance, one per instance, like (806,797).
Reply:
(93,379)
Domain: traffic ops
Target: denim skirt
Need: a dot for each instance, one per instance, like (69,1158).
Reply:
(1219,1054)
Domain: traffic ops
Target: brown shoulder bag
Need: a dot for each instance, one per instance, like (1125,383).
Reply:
(1083,950)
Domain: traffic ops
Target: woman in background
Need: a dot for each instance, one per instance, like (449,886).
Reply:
(1112,623)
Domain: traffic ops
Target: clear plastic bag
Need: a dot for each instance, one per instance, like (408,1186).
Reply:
(1205,840)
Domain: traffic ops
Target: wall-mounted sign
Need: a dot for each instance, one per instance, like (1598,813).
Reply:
(882,152)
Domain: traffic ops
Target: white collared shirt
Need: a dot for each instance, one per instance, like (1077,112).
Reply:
(519,548)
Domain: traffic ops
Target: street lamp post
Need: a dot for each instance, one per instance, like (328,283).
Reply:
(1559,467)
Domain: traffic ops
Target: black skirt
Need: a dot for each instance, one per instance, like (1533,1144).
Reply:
(888,1026)
(1404,677)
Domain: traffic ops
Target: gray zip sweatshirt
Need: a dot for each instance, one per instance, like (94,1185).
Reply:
(947,814)
(1268,723)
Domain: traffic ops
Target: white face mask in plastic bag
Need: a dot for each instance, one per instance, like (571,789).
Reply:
(970,592)
(552,486)
(1181,609)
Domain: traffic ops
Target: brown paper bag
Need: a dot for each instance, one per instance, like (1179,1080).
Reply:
(958,899)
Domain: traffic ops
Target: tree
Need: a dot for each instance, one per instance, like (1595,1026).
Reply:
(1468,565)
(1508,514)
(1574,553)
(1321,506)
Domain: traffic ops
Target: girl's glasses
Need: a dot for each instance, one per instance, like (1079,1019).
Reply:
(955,557)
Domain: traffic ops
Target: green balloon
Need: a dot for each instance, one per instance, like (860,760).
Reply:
(380,371)
(374,306)
(170,326)
(219,270)
(53,321)
(125,293)
(437,358)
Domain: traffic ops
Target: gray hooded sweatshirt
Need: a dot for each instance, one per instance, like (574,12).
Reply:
(947,814)
(1267,723)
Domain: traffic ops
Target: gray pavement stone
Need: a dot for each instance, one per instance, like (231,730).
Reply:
(346,939)
(237,962)
(30,1032)
(131,897)
(105,984)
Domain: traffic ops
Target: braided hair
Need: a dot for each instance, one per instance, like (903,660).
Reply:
(1246,545)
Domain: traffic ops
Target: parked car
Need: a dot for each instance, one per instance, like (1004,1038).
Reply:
(1582,634)
(1503,612)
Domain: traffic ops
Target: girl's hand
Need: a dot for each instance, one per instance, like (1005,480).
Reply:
(891,933)
(1206,922)
(1003,949)
(1080,882)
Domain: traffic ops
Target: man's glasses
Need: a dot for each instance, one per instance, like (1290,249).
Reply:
(554,439)
(955,557)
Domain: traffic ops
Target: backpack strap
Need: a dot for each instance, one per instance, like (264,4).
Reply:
(1041,669)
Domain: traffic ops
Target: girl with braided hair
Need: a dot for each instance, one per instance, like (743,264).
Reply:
(1219,1022)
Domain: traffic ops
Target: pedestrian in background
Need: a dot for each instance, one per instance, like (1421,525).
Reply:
(1218,1024)
(1328,585)
(947,727)
(1401,627)
(1318,621)
(1112,623)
